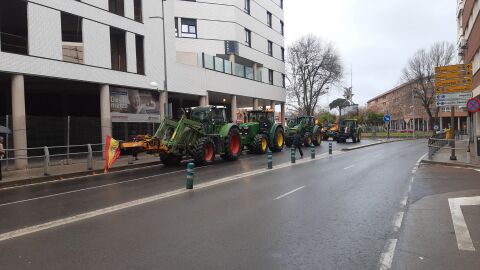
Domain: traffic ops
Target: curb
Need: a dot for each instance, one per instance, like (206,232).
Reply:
(449,164)
(373,144)
(61,177)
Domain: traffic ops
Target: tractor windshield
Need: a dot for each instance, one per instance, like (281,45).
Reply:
(199,114)
(259,117)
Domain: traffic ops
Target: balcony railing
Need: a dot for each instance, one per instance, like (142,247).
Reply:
(225,66)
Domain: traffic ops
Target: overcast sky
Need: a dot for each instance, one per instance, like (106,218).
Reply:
(375,37)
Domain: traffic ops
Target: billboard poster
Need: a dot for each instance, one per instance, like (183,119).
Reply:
(134,106)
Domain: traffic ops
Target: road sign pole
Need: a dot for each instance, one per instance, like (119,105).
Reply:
(452,129)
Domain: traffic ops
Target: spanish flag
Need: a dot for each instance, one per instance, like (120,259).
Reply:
(112,152)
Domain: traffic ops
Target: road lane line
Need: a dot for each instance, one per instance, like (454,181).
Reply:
(126,205)
(288,193)
(349,167)
(478,170)
(397,221)
(387,256)
(464,241)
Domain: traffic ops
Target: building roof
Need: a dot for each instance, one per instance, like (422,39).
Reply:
(389,91)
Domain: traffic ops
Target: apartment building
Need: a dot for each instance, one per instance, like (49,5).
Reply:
(103,67)
(469,49)
(408,113)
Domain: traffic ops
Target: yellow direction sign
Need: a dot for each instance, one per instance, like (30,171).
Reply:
(453,68)
(454,75)
(453,82)
(453,89)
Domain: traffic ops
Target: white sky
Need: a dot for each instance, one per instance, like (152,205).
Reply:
(374,37)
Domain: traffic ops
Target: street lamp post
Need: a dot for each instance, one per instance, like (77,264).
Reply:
(413,112)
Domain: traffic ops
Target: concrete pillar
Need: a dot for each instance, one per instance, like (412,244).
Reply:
(203,101)
(459,124)
(105,115)
(441,123)
(255,68)
(234,109)
(255,103)
(19,121)
(163,103)
(282,113)
(232,59)
(272,105)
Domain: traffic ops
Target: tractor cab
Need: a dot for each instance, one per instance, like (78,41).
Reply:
(265,118)
(212,117)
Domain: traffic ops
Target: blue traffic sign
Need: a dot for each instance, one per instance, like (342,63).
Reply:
(387,118)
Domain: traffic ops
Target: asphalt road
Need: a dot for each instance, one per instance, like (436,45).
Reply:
(331,213)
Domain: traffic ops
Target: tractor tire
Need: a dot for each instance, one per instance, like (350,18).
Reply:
(354,138)
(289,141)
(278,140)
(317,138)
(307,139)
(204,152)
(233,145)
(259,144)
(359,137)
(170,160)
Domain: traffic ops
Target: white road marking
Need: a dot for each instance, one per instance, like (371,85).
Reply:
(387,256)
(349,167)
(122,206)
(397,221)
(478,170)
(288,193)
(464,241)
(420,159)
(90,188)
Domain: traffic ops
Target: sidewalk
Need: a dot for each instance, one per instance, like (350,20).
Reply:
(58,172)
(464,158)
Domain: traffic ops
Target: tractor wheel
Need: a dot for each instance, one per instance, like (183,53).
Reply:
(233,145)
(278,140)
(307,141)
(204,152)
(359,138)
(259,144)
(354,138)
(289,141)
(317,139)
(170,159)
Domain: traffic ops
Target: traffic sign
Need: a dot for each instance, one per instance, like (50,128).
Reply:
(453,68)
(387,118)
(453,82)
(450,96)
(449,103)
(436,127)
(453,89)
(473,105)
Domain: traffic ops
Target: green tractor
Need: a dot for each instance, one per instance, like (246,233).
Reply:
(201,133)
(310,132)
(261,132)
(349,129)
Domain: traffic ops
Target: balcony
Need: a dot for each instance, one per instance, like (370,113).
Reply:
(225,66)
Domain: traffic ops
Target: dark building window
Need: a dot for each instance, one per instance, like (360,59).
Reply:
(247,6)
(189,28)
(282,28)
(138,12)
(283,53)
(270,76)
(140,54)
(117,7)
(269,19)
(72,38)
(281,4)
(13,26)
(248,37)
(283,80)
(118,49)
(270,48)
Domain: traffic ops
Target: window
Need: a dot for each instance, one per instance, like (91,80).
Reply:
(13,26)
(118,49)
(283,53)
(270,76)
(188,28)
(283,80)
(269,19)
(248,37)
(282,28)
(72,40)
(270,48)
(117,7)
(281,4)
(247,6)
(139,47)
(137,8)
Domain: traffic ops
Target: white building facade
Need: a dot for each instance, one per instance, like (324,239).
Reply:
(90,58)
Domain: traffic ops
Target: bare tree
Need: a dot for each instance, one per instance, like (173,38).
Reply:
(420,73)
(313,66)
